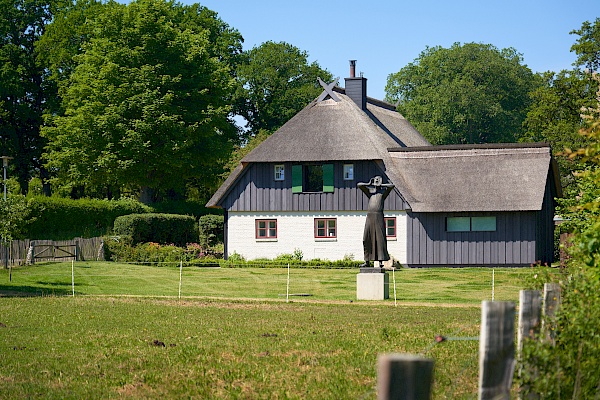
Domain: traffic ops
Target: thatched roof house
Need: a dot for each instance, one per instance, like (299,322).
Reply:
(452,205)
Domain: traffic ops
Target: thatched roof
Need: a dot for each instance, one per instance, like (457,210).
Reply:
(335,131)
(502,177)
(332,131)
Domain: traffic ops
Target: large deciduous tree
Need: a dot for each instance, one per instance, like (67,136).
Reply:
(471,93)
(25,92)
(146,106)
(587,47)
(555,115)
(277,81)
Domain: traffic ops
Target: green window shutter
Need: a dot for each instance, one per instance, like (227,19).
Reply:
(328,178)
(296,178)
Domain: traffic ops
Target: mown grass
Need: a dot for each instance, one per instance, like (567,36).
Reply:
(457,286)
(232,335)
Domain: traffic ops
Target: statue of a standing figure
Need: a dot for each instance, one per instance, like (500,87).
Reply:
(374,238)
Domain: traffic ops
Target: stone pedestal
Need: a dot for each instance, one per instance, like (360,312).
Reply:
(372,284)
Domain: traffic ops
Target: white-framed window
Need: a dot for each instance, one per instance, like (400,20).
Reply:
(390,227)
(348,172)
(325,228)
(279,172)
(266,228)
(471,224)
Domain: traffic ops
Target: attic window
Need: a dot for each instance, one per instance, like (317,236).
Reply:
(312,178)
(348,172)
(279,172)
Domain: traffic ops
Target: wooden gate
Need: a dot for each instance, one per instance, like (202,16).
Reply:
(54,251)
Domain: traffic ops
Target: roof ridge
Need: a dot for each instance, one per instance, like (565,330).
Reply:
(479,146)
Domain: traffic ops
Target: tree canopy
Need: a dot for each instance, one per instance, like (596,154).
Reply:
(25,92)
(587,47)
(276,81)
(147,104)
(471,93)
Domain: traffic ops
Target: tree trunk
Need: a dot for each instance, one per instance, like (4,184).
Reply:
(147,195)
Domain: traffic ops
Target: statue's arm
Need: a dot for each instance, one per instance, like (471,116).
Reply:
(363,187)
(388,188)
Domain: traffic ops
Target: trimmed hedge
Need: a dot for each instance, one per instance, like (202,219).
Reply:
(158,228)
(212,230)
(57,218)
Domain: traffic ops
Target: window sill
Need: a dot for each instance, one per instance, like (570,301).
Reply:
(325,239)
(267,240)
(391,239)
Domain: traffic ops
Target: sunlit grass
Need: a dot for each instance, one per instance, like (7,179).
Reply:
(436,285)
(126,334)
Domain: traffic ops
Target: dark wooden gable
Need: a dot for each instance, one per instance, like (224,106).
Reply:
(257,190)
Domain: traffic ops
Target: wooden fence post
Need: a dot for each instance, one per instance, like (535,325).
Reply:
(496,350)
(530,313)
(404,377)
(551,304)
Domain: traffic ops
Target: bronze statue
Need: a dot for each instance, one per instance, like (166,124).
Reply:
(374,238)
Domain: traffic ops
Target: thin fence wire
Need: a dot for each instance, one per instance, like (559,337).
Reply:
(180,280)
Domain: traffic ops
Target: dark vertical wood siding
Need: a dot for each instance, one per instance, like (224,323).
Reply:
(513,242)
(257,190)
(545,231)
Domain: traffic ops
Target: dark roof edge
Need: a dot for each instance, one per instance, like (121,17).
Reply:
(470,147)
(377,102)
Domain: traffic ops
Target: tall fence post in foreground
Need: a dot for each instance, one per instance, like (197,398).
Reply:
(404,377)
(496,350)
(551,304)
(530,315)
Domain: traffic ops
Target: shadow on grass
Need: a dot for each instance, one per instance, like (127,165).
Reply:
(32,291)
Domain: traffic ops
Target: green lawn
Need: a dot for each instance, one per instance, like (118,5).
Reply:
(437,285)
(232,335)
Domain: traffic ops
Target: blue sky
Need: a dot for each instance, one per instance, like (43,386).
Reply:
(384,36)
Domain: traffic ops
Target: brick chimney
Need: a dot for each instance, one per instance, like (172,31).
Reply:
(356,87)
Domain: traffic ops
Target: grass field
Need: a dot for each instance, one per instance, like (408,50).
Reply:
(126,334)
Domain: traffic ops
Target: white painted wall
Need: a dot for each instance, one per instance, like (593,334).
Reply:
(295,230)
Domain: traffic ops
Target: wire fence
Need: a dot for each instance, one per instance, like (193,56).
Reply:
(181,280)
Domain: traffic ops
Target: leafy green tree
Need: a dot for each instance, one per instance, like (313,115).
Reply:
(555,116)
(146,106)
(568,368)
(14,215)
(471,93)
(587,47)
(25,92)
(277,82)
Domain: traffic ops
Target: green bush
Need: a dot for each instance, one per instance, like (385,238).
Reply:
(183,207)
(211,230)
(237,261)
(160,228)
(57,218)
(120,248)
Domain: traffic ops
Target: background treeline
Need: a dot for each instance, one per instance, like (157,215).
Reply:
(156,101)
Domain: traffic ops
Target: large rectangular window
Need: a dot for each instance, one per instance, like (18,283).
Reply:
(483,224)
(325,228)
(266,228)
(458,224)
(471,224)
